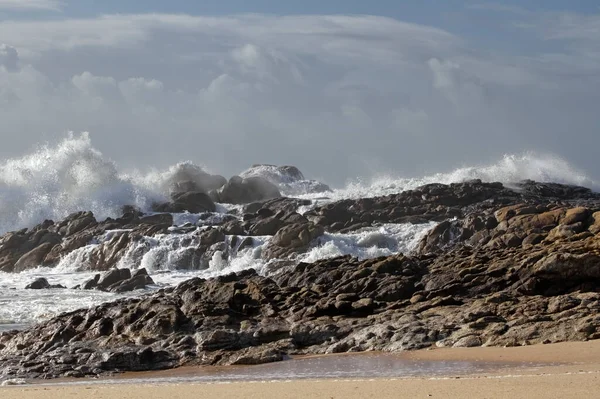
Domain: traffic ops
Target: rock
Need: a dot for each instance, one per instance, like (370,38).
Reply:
(112,277)
(158,219)
(291,239)
(91,283)
(137,282)
(265,227)
(503,268)
(33,258)
(38,284)
(532,239)
(287,178)
(467,342)
(244,191)
(76,222)
(277,205)
(189,177)
(191,201)
(576,215)
(41,284)
(595,225)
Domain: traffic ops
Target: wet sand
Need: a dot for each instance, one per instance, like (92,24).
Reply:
(570,370)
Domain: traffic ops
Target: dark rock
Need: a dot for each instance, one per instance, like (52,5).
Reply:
(191,201)
(243,191)
(38,284)
(33,258)
(91,283)
(112,277)
(291,239)
(511,267)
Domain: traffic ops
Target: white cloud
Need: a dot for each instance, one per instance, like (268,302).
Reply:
(53,5)
(328,93)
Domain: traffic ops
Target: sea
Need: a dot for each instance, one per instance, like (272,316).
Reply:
(71,175)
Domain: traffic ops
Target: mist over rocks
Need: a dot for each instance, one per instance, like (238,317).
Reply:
(240,190)
(504,267)
(288,178)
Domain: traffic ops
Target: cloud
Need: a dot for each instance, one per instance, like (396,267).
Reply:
(9,57)
(53,5)
(331,94)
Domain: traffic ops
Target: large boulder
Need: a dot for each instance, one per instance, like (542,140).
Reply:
(292,239)
(189,177)
(191,201)
(33,258)
(287,178)
(243,191)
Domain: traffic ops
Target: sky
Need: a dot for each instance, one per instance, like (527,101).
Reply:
(339,88)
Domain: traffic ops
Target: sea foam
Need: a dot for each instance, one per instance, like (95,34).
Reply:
(71,175)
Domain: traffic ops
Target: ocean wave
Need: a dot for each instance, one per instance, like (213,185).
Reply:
(70,176)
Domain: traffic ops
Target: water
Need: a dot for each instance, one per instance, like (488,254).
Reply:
(72,175)
(163,256)
(346,367)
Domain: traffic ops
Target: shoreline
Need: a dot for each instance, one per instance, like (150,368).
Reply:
(566,370)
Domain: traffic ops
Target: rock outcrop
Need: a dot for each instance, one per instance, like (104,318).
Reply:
(119,281)
(243,191)
(47,243)
(504,267)
(463,296)
(287,178)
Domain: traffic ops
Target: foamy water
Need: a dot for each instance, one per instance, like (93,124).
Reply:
(164,255)
(72,175)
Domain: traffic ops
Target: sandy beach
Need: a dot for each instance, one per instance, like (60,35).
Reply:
(569,370)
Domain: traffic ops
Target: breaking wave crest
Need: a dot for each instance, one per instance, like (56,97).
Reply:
(510,169)
(69,176)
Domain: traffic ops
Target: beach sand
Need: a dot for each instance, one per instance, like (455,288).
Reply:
(569,370)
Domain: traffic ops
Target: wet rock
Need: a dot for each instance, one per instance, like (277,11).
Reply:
(265,227)
(292,239)
(33,258)
(191,201)
(42,284)
(504,267)
(91,283)
(112,277)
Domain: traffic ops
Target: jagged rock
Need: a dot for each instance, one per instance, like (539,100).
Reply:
(291,239)
(511,268)
(112,277)
(265,227)
(33,258)
(276,205)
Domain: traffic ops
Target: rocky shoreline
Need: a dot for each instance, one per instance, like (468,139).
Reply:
(504,267)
